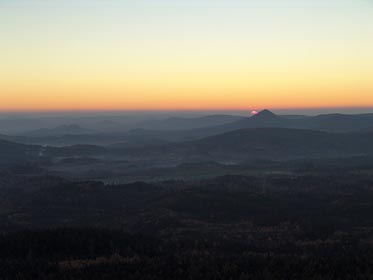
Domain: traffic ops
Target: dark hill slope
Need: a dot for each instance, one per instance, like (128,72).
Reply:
(270,143)
(12,152)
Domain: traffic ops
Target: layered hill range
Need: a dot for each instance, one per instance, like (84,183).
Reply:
(71,129)
(263,136)
(188,129)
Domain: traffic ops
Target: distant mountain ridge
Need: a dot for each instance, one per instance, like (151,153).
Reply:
(178,130)
(329,122)
(177,123)
(71,129)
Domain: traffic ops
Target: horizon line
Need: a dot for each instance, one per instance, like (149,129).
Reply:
(248,109)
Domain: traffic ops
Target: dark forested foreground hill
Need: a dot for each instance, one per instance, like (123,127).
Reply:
(105,254)
(312,226)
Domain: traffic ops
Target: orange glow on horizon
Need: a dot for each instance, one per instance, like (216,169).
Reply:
(191,104)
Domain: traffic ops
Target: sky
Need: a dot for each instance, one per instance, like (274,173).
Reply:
(185,54)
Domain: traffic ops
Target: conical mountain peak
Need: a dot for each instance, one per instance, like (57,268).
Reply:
(265,114)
